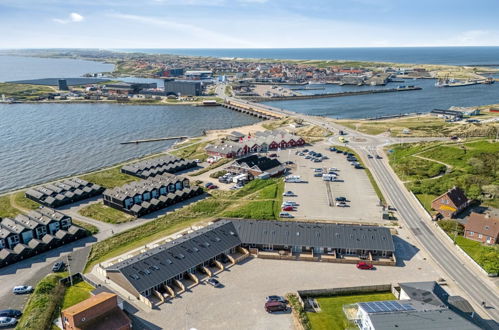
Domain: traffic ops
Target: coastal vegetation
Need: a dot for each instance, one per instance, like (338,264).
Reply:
(471,165)
(101,212)
(42,306)
(211,167)
(109,178)
(192,151)
(24,91)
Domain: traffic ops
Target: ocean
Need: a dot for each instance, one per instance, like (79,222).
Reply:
(420,55)
(42,142)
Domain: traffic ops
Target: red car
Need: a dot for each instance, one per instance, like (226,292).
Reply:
(288,208)
(364,265)
(212,187)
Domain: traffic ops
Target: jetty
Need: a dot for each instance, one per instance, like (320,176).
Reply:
(252,109)
(156,139)
(325,95)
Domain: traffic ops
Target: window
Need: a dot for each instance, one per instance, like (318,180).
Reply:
(471,233)
(480,236)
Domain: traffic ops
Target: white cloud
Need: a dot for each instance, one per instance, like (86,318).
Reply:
(72,18)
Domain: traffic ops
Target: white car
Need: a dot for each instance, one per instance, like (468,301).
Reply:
(7,322)
(341,204)
(21,289)
(285,215)
(290,203)
(289,194)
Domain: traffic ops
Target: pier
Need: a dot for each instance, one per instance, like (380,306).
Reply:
(341,94)
(156,139)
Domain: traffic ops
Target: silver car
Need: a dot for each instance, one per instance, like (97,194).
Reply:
(22,289)
(7,322)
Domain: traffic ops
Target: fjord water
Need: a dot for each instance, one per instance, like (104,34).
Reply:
(421,55)
(41,142)
(374,105)
(20,68)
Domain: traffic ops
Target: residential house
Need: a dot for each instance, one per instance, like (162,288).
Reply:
(256,165)
(450,203)
(483,228)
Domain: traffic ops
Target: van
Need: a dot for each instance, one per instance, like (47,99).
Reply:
(275,306)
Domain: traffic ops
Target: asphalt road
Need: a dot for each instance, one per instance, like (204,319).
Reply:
(469,279)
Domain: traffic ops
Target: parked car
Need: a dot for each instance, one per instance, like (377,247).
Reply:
(369,156)
(273,155)
(345,153)
(22,289)
(308,157)
(364,265)
(317,174)
(7,322)
(275,306)
(341,204)
(224,258)
(213,187)
(341,132)
(358,166)
(332,149)
(208,184)
(317,160)
(213,282)
(276,298)
(333,169)
(301,154)
(288,208)
(10,313)
(338,151)
(288,162)
(341,199)
(305,150)
(317,169)
(289,193)
(285,215)
(58,267)
(379,157)
(289,203)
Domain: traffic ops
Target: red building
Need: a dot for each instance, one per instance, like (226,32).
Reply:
(483,228)
(450,203)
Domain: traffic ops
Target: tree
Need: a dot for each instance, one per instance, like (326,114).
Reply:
(474,191)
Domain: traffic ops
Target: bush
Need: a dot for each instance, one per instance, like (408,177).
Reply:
(300,312)
(217,174)
(450,226)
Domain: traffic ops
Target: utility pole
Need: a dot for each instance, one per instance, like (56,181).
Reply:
(69,269)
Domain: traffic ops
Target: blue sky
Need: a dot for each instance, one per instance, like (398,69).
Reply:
(247,23)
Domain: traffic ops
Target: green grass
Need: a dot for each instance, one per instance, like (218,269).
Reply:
(254,186)
(109,178)
(42,305)
(268,192)
(24,202)
(194,151)
(486,256)
(24,91)
(331,316)
(163,226)
(473,167)
(6,209)
(76,293)
(374,184)
(101,212)
(253,210)
(425,200)
(91,229)
(212,166)
(186,143)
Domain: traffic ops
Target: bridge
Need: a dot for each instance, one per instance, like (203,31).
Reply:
(254,109)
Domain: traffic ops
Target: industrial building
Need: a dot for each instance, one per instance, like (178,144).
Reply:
(158,166)
(127,88)
(63,192)
(33,233)
(198,74)
(159,272)
(183,87)
(145,196)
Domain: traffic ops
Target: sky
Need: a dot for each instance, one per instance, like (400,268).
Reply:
(247,23)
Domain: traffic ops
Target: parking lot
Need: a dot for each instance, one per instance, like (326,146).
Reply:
(239,304)
(316,198)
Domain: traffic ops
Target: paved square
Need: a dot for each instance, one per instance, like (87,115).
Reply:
(314,198)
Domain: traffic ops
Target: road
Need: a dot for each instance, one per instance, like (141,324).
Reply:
(470,280)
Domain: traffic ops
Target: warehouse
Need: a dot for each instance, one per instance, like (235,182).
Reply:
(158,270)
(145,196)
(158,166)
(183,87)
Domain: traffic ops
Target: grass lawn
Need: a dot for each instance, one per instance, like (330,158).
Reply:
(253,210)
(6,209)
(76,293)
(109,178)
(486,256)
(24,91)
(24,202)
(90,228)
(212,166)
(331,316)
(425,200)
(42,305)
(194,151)
(101,212)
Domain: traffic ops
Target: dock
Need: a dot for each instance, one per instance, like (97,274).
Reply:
(156,139)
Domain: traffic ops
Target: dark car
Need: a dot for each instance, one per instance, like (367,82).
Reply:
(273,155)
(378,157)
(275,306)
(332,149)
(10,313)
(305,150)
(58,267)
(341,199)
(224,259)
(338,151)
(369,156)
(212,187)
(345,153)
(358,166)
(208,184)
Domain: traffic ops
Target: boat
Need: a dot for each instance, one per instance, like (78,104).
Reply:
(446,82)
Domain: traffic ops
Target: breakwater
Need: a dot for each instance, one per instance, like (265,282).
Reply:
(325,95)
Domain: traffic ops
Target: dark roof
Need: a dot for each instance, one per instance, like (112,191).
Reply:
(427,292)
(442,319)
(190,250)
(263,163)
(315,234)
(456,195)
(176,257)
(447,112)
